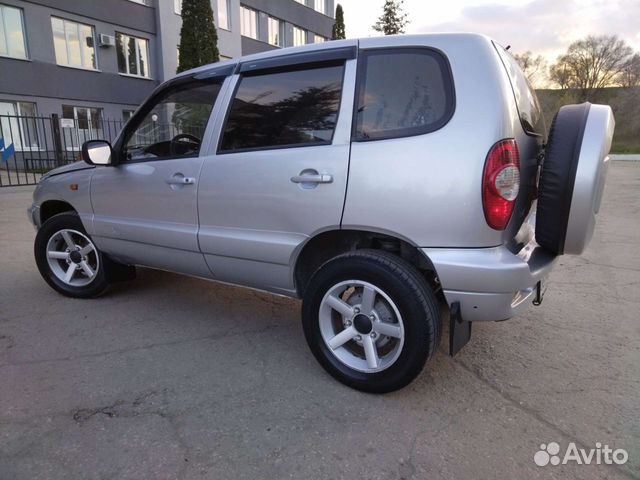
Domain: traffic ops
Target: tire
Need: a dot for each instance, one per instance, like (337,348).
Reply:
(404,332)
(558,176)
(54,238)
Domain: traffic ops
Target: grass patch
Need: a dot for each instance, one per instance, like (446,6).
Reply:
(625,149)
(625,103)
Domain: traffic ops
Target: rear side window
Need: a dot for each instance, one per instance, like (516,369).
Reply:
(402,92)
(284,109)
(526,99)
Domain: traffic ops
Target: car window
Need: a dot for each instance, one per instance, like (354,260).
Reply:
(402,92)
(284,109)
(526,99)
(172,125)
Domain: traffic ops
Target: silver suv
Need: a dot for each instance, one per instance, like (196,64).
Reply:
(380,180)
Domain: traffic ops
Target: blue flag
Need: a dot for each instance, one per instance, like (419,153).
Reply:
(1,143)
(8,153)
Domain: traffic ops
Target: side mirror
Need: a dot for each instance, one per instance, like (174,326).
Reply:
(97,152)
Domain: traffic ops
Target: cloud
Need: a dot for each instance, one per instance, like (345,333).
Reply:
(546,27)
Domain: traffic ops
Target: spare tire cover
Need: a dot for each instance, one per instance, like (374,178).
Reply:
(558,174)
(565,216)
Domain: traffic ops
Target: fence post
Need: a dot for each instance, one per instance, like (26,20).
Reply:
(57,138)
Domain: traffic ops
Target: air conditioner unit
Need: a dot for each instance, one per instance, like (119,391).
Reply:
(106,40)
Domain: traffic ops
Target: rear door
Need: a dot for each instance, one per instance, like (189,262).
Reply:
(277,173)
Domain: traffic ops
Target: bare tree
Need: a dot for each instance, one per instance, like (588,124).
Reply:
(534,67)
(559,74)
(591,64)
(630,76)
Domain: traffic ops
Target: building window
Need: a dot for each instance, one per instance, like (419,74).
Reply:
(126,115)
(12,42)
(276,32)
(177,6)
(87,125)
(22,109)
(283,109)
(318,38)
(248,22)
(319,6)
(18,124)
(74,44)
(86,118)
(223,14)
(299,36)
(133,55)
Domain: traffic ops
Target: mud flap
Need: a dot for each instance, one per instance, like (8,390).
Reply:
(459,329)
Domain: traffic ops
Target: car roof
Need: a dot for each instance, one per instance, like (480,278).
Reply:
(393,40)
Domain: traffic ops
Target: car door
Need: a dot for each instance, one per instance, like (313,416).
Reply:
(145,207)
(277,171)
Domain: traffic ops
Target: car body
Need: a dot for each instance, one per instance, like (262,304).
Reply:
(268,216)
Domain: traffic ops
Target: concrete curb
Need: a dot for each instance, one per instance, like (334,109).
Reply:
(625,157)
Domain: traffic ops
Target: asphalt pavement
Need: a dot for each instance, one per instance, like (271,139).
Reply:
(169,377)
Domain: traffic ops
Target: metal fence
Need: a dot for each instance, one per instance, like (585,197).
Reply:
(31,146)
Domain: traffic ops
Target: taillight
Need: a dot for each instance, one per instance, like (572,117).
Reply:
(501,183)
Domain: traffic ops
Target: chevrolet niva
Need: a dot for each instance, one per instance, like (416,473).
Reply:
(378,180)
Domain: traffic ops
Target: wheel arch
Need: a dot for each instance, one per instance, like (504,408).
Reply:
(49,208)
(326,245)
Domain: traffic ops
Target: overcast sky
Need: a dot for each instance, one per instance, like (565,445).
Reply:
(542,26)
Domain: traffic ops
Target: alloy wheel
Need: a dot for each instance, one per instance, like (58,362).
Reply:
(72,257)
(361,326)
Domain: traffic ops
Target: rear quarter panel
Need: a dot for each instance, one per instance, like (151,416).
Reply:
(427,188)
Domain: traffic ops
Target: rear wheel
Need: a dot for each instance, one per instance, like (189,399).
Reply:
(68,259)
(371,320)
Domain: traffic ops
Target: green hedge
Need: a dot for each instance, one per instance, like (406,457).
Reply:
(625,103)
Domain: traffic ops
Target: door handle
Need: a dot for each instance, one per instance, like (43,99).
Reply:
(180,180)
(317,178)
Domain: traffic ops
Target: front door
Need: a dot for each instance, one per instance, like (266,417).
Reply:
(145,207)
(276,174)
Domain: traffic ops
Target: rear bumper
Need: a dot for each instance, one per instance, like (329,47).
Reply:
(490,283)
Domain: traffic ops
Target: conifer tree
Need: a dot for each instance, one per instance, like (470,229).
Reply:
(198,35)
(392,20)
(338,31)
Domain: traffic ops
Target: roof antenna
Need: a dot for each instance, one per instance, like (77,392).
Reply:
(508,47)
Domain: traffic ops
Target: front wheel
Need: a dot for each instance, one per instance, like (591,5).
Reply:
(67,258)
(371,320)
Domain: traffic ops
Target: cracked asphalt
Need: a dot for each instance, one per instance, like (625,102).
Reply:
(169,377)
